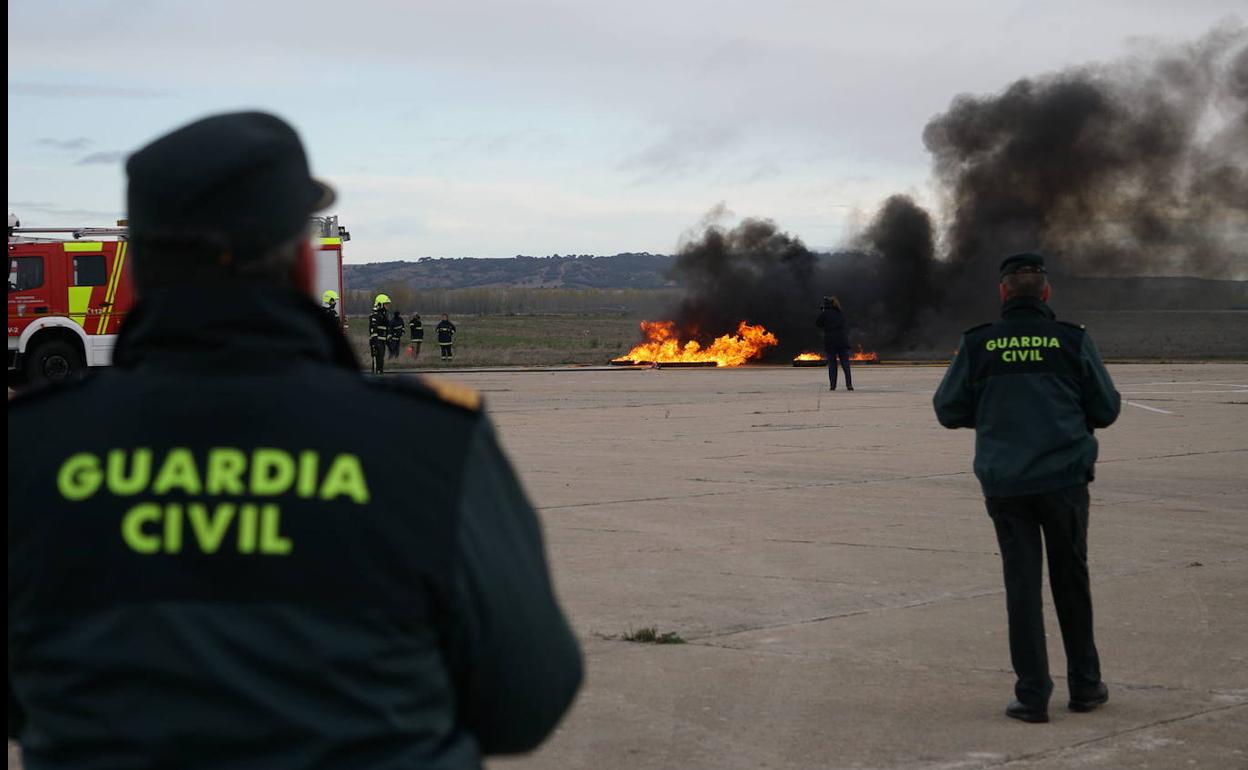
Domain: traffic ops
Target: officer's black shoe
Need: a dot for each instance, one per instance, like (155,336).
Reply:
(1091,702)
(851,387)
(1020,710)
(832,388)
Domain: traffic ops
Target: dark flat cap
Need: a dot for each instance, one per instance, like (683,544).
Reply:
(241,178)
(1026,262)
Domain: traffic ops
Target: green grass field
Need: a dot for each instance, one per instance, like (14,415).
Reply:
(555,340)
(514,340)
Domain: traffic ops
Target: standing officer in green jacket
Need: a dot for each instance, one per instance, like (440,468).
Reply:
(221,568)
(1034,389)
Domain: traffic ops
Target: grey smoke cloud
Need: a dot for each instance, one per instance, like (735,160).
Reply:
(69,145)
(102,158)
(684,149)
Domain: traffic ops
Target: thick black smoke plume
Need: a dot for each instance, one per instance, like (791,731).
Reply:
(1135,168)
(756,273)
(750,273)
(1139,167)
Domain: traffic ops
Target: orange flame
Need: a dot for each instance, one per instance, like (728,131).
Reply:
(860,355)
(662,345)
(809,357)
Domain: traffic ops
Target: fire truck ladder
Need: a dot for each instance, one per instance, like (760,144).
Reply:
(76,232)
(327,227)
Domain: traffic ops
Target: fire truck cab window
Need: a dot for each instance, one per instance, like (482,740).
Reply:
(25,273)
(89,270)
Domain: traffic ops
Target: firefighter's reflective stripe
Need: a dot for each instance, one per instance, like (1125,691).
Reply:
(113,281)
(79,301)
(83,246)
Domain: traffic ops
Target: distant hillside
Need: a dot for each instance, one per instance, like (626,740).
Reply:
(649,271)
(621,271)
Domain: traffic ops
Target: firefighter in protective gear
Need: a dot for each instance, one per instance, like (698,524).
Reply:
(329,303)
(241,579)
(418,335)
(397,329)
(379,332)
(446,337)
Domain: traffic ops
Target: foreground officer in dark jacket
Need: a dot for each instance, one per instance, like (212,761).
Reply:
(220,567)
(1034,388)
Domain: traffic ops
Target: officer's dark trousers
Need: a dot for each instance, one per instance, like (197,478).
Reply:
(843,355)
(447,351)
(1062,517)
(378,349)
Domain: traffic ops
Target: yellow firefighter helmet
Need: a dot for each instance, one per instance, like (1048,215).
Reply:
(382,299)
(329,296)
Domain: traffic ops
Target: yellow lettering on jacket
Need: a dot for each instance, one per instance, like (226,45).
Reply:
(189,522)
(226,471)
(177,472)
(80,476)
(1014,350)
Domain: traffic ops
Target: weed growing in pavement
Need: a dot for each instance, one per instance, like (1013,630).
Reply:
(651,635)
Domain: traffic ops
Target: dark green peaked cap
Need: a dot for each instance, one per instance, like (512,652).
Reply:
(1027,262)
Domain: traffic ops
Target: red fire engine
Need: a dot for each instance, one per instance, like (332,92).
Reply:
(69,295)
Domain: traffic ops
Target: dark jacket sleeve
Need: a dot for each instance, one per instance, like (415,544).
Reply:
(955,398)
(17,715)
(521,664)
(1101,401)
(821,320)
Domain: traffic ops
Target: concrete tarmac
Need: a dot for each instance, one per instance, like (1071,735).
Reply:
(828,561)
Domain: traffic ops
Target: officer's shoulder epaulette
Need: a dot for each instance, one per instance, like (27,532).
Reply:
(436,389)
(977,327)
(1080,327)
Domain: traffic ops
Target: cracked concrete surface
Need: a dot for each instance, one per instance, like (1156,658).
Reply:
(829,561)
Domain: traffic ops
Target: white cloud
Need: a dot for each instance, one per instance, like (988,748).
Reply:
(491,127)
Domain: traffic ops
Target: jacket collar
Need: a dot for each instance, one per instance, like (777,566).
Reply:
(1026,307)
(238,327)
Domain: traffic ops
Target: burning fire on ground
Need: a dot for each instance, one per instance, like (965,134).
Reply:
(860,355)
(663,346)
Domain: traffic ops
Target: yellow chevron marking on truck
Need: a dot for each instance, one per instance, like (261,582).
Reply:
(331,241)
(79,301)
(113,281)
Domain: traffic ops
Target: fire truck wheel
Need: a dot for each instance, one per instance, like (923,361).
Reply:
(53,361)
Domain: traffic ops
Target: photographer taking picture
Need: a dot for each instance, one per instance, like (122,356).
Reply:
(835,339)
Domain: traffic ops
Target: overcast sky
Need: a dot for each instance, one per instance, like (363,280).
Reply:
(500,128)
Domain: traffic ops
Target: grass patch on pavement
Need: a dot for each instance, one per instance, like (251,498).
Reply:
(651,635)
